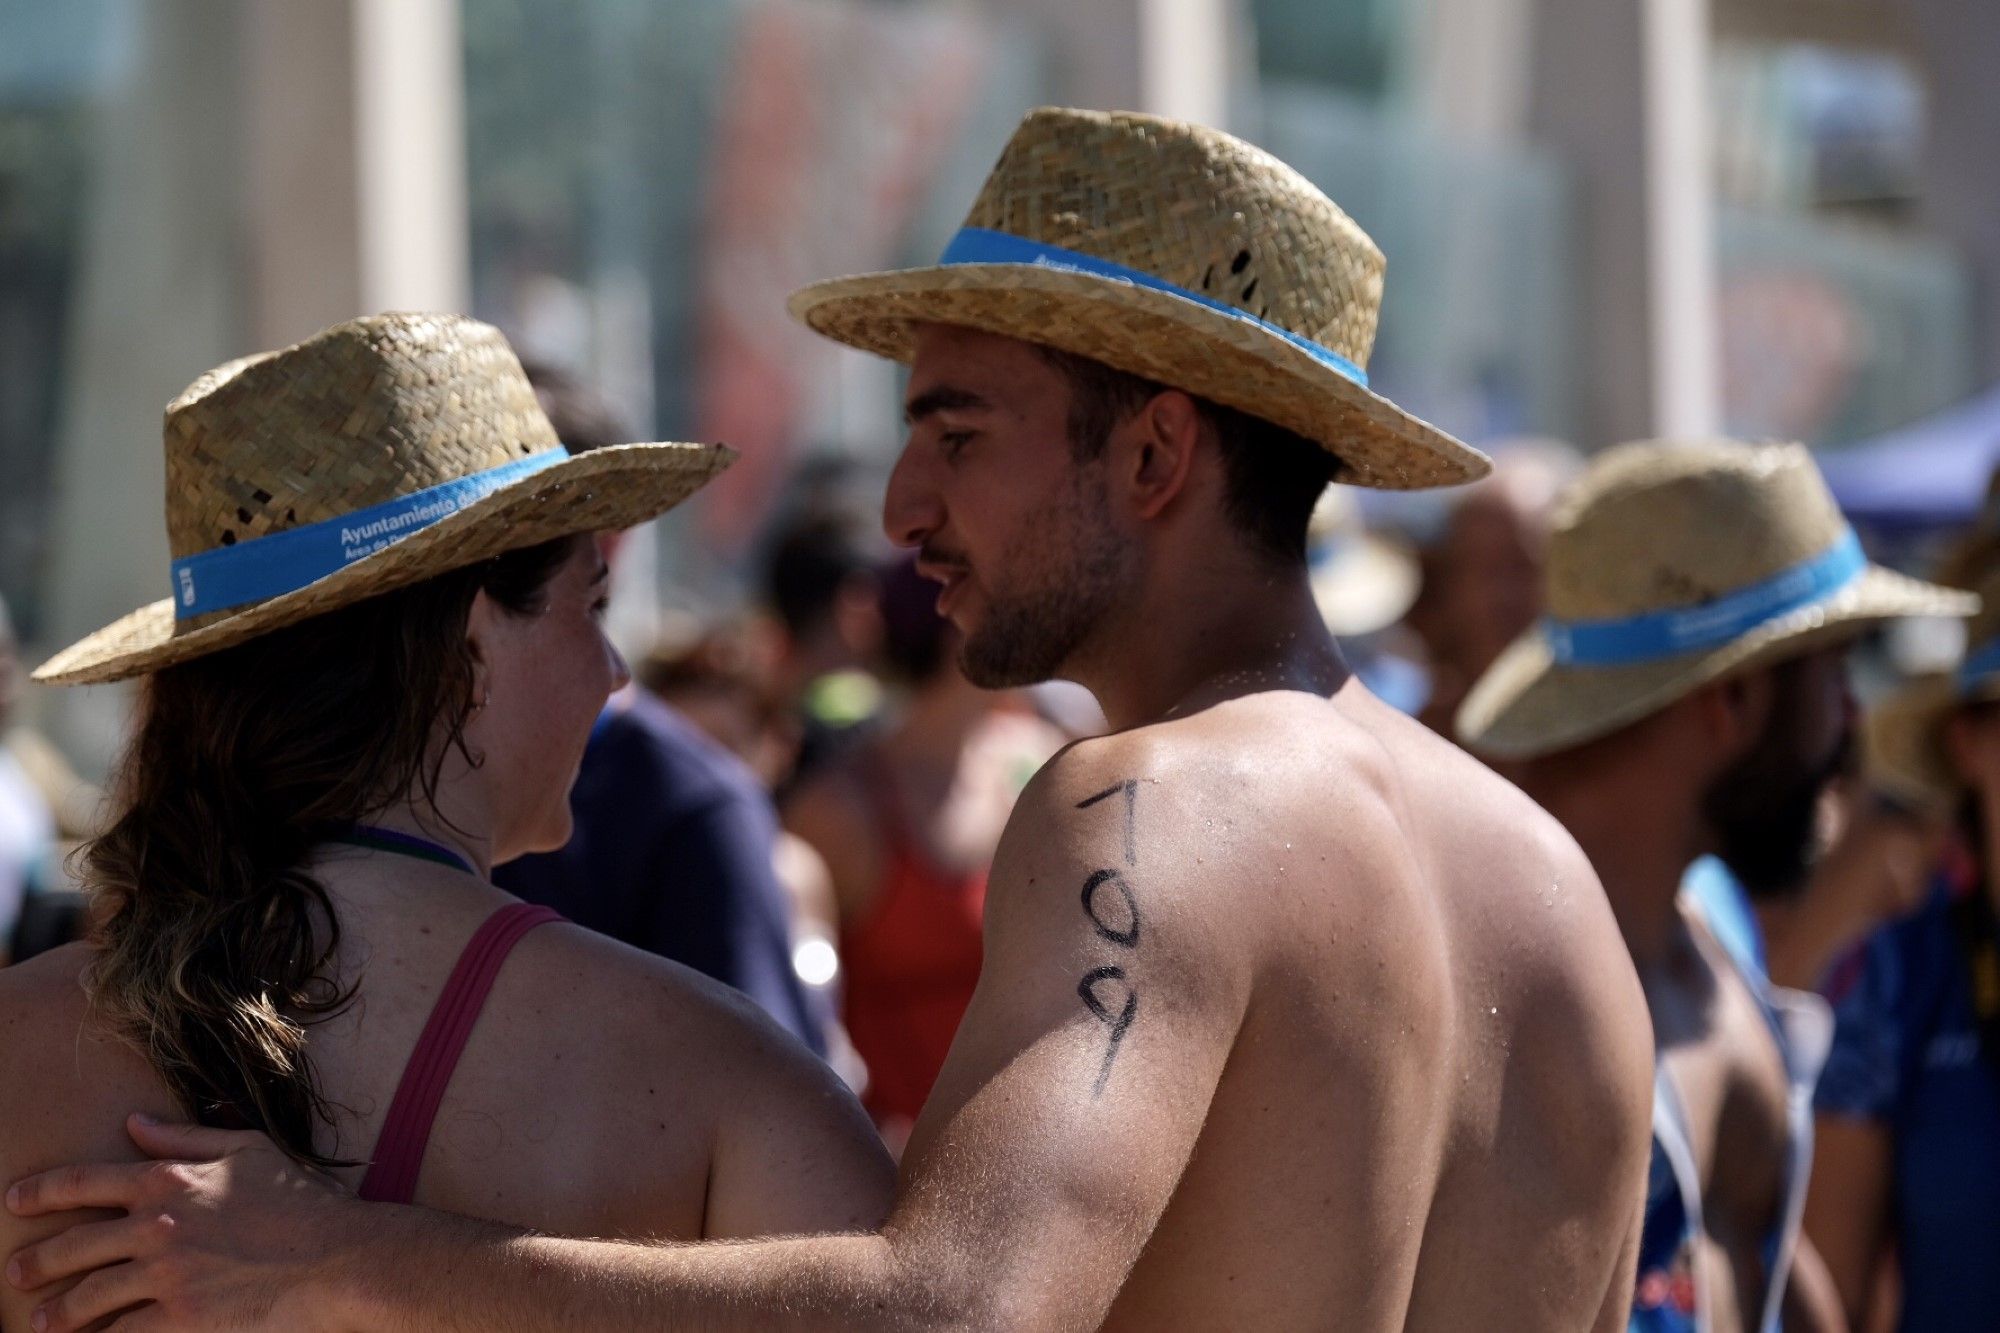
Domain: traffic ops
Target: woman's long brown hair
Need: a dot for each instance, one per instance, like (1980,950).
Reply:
(214,957)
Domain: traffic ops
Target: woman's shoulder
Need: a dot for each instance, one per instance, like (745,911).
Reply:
(70,1082)
(575,986)
(630,1078)
(45,1014)
(66,1092)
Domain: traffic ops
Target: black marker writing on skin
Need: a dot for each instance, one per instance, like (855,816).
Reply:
(1119,1021)
(1131,789)
(1113,910)
(1125,935)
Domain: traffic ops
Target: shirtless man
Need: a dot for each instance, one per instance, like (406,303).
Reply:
(1687,696)
(1292,1015)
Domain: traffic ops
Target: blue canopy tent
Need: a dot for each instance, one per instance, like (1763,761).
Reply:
(1928,475)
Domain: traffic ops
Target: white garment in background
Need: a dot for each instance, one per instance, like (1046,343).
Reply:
(27,836)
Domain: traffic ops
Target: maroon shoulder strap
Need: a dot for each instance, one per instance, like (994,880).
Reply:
(406,1132)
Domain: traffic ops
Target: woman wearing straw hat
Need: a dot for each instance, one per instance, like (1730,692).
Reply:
(1685,694)
(1909,1109)
(374,681)
(1279,1023)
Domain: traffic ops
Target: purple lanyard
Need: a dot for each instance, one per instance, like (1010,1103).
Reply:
(402,844)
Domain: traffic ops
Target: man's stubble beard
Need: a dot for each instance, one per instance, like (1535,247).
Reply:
(1074,569)
(1764,811)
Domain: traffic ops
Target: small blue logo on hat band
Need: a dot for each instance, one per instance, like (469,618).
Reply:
(227,577)
(981,245)
(1980,663)
(1659,635)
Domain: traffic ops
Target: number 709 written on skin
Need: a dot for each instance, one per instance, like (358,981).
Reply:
(1108,991)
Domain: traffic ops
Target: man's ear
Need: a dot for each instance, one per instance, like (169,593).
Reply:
(1733,711)
(1159,446)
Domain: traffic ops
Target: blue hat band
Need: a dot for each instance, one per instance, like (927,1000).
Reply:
(1982,662)
(226,577)
(979,245)
(1660,635)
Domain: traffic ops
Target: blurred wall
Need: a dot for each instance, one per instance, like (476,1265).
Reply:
(269,167)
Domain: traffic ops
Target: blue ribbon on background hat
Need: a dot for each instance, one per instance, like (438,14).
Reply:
(981,245)
(1656,636)
(226,577)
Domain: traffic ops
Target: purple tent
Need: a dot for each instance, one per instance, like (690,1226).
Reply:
(1930,474)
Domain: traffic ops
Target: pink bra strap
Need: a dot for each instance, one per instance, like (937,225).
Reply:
(406,1132)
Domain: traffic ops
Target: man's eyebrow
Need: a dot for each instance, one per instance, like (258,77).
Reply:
(943,398)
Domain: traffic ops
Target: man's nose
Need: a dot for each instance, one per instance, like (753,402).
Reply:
(911,508)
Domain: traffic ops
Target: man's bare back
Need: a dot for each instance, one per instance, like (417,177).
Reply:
(1420,961)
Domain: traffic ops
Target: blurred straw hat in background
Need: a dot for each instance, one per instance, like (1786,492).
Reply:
(1673,564)
(1362,581)
(1904,734)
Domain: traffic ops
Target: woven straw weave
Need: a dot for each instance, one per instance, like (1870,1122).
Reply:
(1664,525)
(1904,736)
(359,415)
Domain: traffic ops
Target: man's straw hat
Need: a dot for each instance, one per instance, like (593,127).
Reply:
(1905,732)
(371,456)
(1176,253)
(1673,564)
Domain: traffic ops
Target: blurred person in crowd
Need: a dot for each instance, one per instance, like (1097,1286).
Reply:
(1483,574)
(27,824)
(907,821)
(1880,848)
(720,674)
(674,841)
(1273,1027)
(718,678)
(1907,1179)
(819,580)
(1687,694)
(376,680)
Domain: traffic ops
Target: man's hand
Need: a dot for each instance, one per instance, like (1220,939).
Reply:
(221,1232)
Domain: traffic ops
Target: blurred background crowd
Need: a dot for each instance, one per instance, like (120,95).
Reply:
(1753,218)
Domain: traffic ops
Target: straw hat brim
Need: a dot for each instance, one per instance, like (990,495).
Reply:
(1526,705)
(1904,736)
(1154,334)
(608,488)
(1367,586)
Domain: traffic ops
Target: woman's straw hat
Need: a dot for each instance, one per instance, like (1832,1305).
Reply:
(1905,732)
(1176,253)
(1673,564)
(373,455)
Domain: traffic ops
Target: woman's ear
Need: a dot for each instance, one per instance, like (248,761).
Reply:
(480,626)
